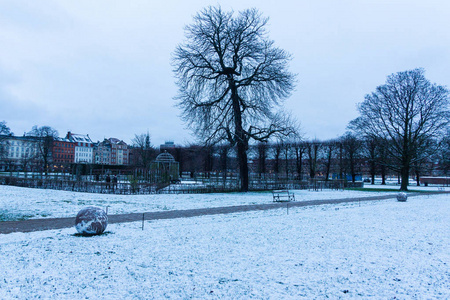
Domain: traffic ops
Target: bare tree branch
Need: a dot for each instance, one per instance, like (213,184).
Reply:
(231,77)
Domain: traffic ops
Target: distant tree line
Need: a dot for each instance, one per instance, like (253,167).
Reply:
(350,157)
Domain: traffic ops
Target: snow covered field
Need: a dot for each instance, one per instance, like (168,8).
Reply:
(379,250)
(24,203)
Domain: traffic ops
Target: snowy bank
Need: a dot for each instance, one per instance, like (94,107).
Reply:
(24,203)
(378,250)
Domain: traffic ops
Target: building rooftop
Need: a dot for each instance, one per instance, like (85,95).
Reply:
(75,137)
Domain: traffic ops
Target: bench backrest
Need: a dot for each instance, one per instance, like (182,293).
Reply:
(281,192)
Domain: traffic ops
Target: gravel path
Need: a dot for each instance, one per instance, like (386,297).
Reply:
(58,223)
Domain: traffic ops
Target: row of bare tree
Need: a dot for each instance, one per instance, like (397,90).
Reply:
(343,158)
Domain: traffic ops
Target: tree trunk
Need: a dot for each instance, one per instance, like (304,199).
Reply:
(352,169)
(327,173)
(276,167)
(286,164)
(261,160)
(240,138)
(328,165)
(45,166)
(405,178)
(224,163)
(299,164)
(372,171)
(405,160)
(312,151)
(341,163)
(243,167)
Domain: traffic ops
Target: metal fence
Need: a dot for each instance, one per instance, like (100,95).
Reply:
(82,186)
(133,188)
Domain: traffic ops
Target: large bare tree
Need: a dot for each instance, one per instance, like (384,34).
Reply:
(45,136)
(405,113)
(231,80)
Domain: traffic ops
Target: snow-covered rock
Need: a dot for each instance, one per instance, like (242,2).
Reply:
(402,197)
(91,221)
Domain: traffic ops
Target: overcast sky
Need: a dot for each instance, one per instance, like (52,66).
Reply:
(103,67)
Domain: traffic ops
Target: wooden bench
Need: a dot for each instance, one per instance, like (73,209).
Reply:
(282,196)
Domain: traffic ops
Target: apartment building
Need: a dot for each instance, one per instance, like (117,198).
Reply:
(119,152)
(63,151)
(111,151)
(102,153)
(84,147)
(17,151)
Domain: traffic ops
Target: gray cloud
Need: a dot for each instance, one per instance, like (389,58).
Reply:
(103,68)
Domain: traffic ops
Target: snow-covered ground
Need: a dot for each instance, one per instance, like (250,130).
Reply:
(378,250)
(24,203)
(411,188)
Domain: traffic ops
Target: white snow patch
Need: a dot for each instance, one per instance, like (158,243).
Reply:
(40,203)
(378,250)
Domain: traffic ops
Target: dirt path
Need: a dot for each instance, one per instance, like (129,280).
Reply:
(58,223)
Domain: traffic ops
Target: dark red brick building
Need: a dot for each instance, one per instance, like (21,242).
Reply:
(63,152)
